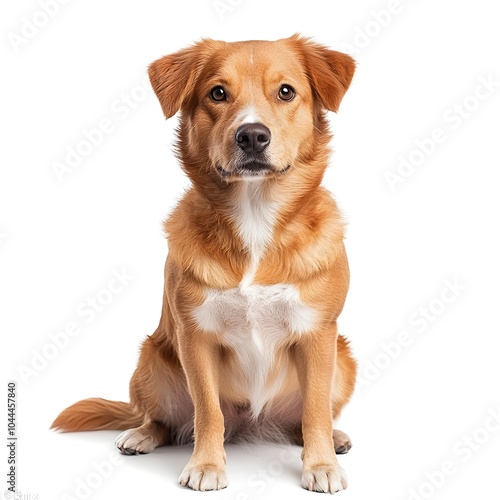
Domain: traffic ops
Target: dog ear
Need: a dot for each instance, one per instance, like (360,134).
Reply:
(330,72)
(173,77)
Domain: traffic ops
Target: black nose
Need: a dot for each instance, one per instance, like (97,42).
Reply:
(252,137)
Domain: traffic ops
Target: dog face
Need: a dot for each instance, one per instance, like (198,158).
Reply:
(250,102)
(250,109)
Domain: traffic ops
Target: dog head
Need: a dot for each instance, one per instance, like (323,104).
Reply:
(250,110)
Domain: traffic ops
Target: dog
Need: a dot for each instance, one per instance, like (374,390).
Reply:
(256,275)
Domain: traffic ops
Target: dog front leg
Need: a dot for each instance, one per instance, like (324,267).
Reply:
(315,356)
(206,470)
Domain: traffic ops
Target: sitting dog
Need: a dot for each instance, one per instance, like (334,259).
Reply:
(247,345)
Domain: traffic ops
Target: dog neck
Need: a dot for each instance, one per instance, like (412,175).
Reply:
(254,211)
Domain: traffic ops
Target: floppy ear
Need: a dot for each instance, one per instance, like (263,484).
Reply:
(330,72)
(173,77)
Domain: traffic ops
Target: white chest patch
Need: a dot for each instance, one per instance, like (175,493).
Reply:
(253,321)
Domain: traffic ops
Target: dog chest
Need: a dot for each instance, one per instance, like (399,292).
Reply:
(270,312)
(253,321)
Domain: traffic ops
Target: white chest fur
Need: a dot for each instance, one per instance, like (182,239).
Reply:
(254,321)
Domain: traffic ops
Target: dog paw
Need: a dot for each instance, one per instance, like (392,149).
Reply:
(135,442)
(342,442)
(204,477)
(324,478)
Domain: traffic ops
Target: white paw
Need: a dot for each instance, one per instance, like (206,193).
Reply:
(204,477)
(134,441)
(324,478)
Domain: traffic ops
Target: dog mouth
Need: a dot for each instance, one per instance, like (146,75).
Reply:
(251,169)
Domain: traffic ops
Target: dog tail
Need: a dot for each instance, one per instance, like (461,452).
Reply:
(97,414)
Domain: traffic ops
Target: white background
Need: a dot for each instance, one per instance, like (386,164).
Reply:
(61,240)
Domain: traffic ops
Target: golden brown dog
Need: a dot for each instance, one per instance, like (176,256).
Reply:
(256,274)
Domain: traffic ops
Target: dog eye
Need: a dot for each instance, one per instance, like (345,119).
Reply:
(218,94)
(286,93)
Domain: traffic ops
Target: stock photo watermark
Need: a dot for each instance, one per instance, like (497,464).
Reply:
(223,7)
(259,481)
(419,322)
(90,139)
(366,32)
(462,451)
(12,491)
(86,312)
(11,437)
(20,495)
(33,24)
(100,472)
(452,119)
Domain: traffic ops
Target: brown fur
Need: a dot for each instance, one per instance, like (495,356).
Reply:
(183,371)
(97,414)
